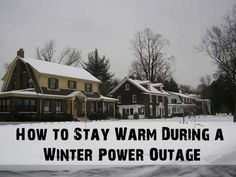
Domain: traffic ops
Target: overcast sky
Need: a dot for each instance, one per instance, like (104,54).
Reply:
(109,25)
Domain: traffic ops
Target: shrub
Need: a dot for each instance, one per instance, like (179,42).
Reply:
(36,117)
(125,116)
(97,116)
(178,115)
(118,115)
(136,116)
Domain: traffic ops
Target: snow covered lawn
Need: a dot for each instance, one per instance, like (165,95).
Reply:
(24,158)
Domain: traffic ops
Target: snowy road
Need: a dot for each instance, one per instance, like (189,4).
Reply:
(130,171)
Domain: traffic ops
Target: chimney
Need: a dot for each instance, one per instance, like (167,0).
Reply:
(20,53)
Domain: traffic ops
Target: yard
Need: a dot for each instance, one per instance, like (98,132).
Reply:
(218,158)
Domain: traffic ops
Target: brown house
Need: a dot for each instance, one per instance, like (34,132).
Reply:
(141,97)
(34,86)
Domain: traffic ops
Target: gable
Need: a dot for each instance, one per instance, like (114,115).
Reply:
(17,77)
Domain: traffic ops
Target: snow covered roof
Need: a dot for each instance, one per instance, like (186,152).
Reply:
(50,68)
(180,94)
(140,84)
(32,93)
(105,98)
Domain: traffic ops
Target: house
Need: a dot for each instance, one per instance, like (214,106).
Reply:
(180,104)
(34,86)
(144,98)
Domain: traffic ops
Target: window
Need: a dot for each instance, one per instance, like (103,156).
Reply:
(126,87)
(29,83)
(52,83)
(173,110)
(46,106)
(127,111)
(119,99)
(93,107)
(72,84)
(123,111)
(160,99)
(26,105)
(134,98)
(174,101)
(88,87)
(26,102)
(131,111)
(58,106)
(141,111)
(5,105)
(14,84)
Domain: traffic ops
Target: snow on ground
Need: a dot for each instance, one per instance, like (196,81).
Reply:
(213,153)
(120,171)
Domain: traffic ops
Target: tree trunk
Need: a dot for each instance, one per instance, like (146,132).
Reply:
(235,107)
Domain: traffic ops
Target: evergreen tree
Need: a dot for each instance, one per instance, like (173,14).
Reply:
(99,67)
(171,85)
(222,95)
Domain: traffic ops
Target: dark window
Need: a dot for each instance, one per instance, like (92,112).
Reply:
(131,111)
(52,83)
(58,106)
(26,105)
(46,106)
(127,112)
(88,87)
(123,111)
(14,84)
(5,105)
(72,84)
(173,101)
(160,99)
(127,86)
(29,83)
(93,107)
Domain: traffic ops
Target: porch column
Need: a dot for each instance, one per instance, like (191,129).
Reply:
(103,105)
(72,112)
(85,107)
(40,105)
(114,109)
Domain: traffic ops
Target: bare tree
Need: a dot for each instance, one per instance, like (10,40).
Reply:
(46,53)
(69,56)
(151,62)
(220,44)
(204,87)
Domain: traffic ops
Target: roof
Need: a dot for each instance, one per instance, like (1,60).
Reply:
(50,68)
(32,93)
(139,84)
(180,94)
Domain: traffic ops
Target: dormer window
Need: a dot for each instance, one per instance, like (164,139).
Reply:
(88,87)
(53,83)
(72,84)
(29,83)
(127,87)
